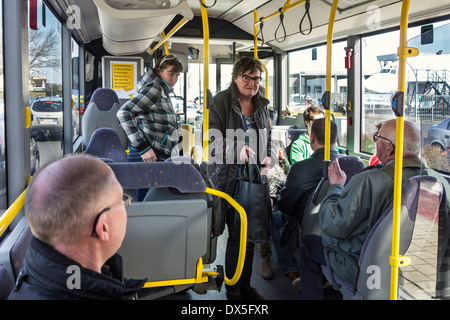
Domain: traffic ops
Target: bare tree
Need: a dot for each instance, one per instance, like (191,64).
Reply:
(44,49)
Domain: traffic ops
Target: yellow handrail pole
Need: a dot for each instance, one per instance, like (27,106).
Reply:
(328,79)
(9,215)
(243,234)
(169,34)
(287,6)
(166,47)
(205,81)
(255,32)
(403,51)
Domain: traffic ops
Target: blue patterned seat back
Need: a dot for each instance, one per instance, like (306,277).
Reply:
(6,284)
(182,176)
(351,165)
(105,143)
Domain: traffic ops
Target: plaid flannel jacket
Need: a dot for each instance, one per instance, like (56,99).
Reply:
(149,118)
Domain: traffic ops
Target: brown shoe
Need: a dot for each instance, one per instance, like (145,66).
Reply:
(251,294)
(266,269)
(294,277)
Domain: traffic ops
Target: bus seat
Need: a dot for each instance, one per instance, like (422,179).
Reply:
(13,249)
(351,165)
(168,235)
(372,271)
(101,113)
(6,284)
(215,219)
(105,143)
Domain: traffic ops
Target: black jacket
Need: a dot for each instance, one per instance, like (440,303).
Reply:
(46,275)
(225,113)
(302,179)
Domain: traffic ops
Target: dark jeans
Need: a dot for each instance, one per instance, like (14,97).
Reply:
(311,258)
(232,254)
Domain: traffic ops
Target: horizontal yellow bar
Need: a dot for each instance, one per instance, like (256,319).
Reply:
(166,283)
(285,8)
(12,212)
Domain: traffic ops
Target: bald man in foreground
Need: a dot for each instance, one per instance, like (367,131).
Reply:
(76,210)
(347,214)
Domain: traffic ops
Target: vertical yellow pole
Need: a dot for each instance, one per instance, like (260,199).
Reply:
(403,51)
(166,47)
(205,81)
(328,79)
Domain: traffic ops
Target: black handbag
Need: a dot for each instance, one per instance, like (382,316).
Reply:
(253,195)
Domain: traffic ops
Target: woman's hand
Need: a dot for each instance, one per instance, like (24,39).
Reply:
(149,156)
(246,151)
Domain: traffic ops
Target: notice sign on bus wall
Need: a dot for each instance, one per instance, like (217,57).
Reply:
(122,74)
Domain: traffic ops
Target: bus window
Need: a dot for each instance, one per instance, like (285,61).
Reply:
(45,56)
(427,103)
(307,83)
(77,106)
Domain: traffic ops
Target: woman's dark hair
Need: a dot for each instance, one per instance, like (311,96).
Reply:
(169,60)
(246,64)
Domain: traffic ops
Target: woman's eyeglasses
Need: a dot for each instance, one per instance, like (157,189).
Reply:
(247,78)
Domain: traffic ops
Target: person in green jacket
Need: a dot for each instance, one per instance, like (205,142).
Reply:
(301,148)
(347,214)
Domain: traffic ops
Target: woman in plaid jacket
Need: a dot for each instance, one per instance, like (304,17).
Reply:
(149,118)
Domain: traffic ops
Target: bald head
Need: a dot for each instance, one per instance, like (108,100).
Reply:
(61,198)
(411,140)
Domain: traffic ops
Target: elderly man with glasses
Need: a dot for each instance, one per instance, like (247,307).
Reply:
(348,213)
(76,210)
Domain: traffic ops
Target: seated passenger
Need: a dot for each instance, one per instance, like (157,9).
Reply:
(76,210)
(304,176)
(348,213)
(301,148)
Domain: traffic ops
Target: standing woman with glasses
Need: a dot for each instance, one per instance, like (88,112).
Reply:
(240,108)
(149,118)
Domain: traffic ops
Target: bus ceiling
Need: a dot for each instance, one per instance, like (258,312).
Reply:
(124,25)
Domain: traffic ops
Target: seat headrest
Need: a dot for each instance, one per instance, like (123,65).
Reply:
(105,143)
(104,98)
(351,165)
(182,176)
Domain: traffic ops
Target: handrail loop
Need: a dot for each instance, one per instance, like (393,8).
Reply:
(205,6)
(307,7)
(281,24)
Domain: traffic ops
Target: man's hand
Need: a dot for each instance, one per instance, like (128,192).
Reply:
(149,156)
(335,174)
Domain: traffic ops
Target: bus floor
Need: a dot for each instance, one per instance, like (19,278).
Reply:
(277,288)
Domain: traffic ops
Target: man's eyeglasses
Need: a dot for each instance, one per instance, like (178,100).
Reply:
(126,200)
(166,58)
(376,136)
(247,78)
